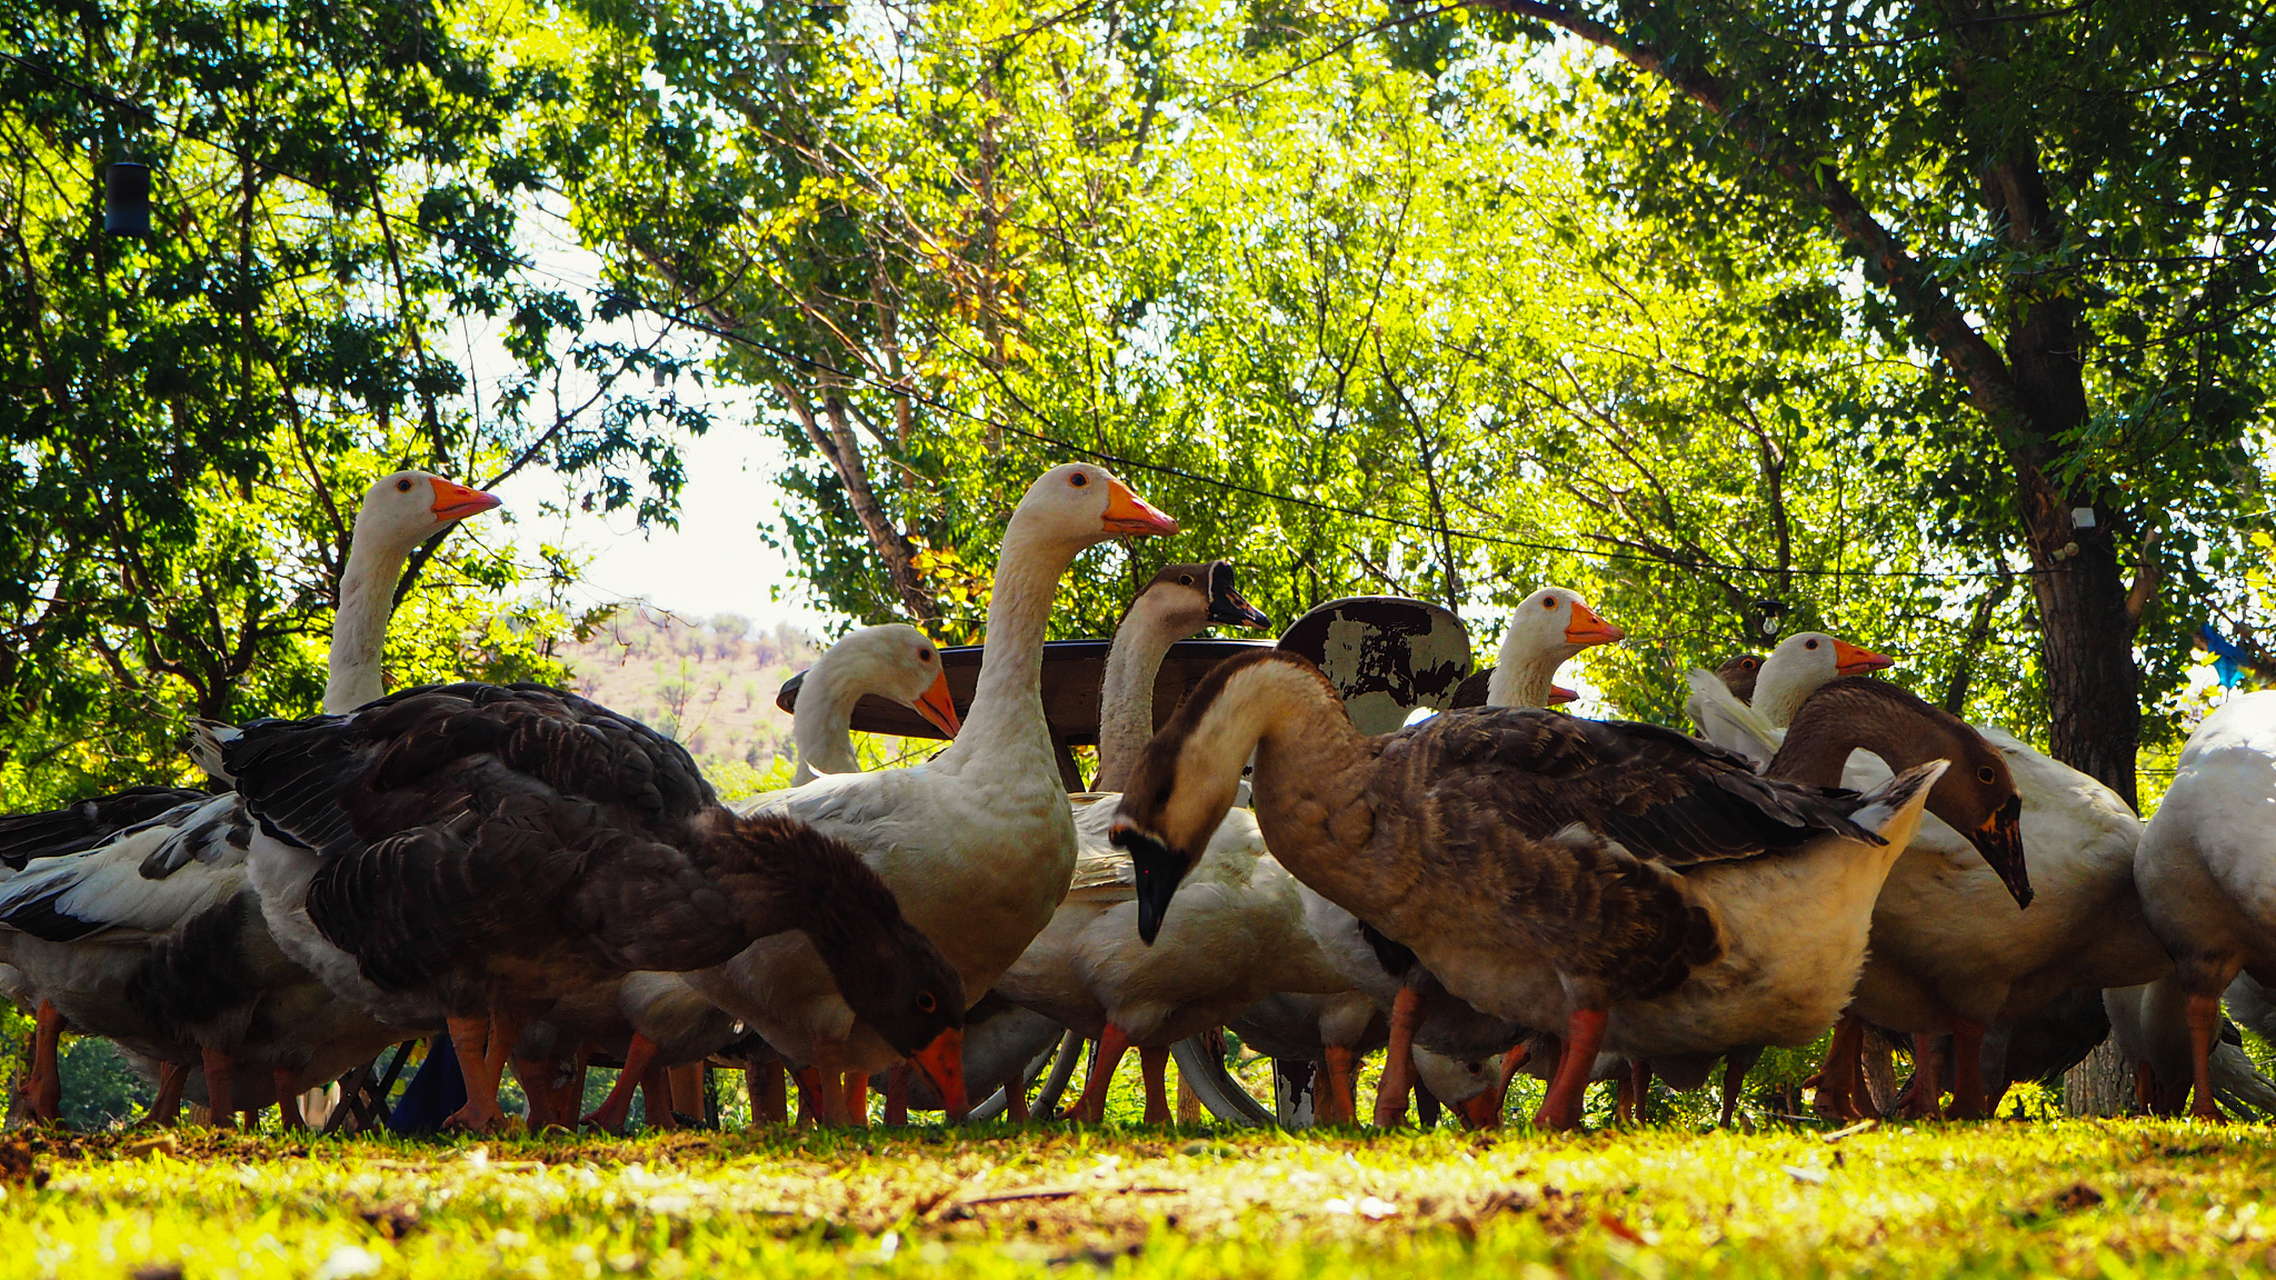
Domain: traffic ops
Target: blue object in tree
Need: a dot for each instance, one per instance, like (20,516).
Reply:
(438,1090)
(2228,660)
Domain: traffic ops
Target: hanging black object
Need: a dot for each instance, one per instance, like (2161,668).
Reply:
(126,199)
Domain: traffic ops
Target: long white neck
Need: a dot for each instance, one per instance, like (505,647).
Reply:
(359,628)
(1524,673)
(1779,692)
(1126,695)
(822,728)
(1005,727)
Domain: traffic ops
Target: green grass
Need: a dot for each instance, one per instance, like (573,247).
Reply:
(2002,1198)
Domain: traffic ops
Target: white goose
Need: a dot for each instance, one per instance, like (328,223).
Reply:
(1087,970)
(152,939)
(2206,867)
(978,843)
(659,1021)
(1952,952)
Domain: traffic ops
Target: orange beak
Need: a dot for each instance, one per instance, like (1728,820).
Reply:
(942,1061)
(1126,512)
(1559,695)
(1481,1112)
(1587,628)
(1850,660)
(457,502)
(936,706)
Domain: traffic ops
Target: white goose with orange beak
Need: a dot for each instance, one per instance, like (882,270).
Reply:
(978,843)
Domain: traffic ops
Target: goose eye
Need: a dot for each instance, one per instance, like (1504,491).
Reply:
(1809,644)
(1986,774)
(1185,579)
(1549,603)
(1078,480)
(924,655)
(403,485)
(925,1001)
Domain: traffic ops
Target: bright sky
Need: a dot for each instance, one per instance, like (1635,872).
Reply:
(715,561)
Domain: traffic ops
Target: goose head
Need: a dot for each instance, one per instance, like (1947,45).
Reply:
(1077,505)
(897,661)
(1738,675)
(1184,599)
(1976,796)
(920,1012)
(405,508)
(1185,781)
(1802,662)
(1547,627)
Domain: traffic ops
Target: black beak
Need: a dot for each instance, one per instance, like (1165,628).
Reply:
(1226,607)
(2000,840)
(1159,872)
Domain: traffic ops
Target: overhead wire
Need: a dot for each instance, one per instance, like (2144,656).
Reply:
(617,295)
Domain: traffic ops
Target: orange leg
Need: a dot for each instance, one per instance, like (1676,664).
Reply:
(1153,1069)
(817,1100)
(1584,1032)
(47,1076)
(1968,1101)
(288,1099)
(2204,1014)
(1924,1097)
(1341,1095)
(1734,1075)
(1837,1076)
(897,1094)
(1399,1060)
(615,1110)
(857,1099)
(1640,1088)
(1091,1107)
(218,1099)
(1512,1062)
(537,1075)
(656,1091)
(166,1108)
(471,1038)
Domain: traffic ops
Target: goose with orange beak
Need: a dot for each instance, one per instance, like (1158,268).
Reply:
(978,843)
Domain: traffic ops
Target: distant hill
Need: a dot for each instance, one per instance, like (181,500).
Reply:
(709,683)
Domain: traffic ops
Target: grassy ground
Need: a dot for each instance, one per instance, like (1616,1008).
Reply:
(2116,1199)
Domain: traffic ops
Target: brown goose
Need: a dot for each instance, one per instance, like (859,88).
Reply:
(1546,869)
(1738,675)
(481,851)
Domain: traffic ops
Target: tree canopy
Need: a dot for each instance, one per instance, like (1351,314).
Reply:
(1938,324)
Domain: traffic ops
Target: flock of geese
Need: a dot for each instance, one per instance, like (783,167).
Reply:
(1490,890)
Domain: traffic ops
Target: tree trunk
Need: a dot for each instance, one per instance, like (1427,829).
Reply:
(2103,1085)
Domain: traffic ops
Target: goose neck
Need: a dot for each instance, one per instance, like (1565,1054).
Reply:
(359,627)
(1820,742)
(1779,692)
(1126,695)
(1006,723)
(822,726)
(1523,676)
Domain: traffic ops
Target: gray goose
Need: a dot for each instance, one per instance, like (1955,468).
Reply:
(1542,867)
(480,851)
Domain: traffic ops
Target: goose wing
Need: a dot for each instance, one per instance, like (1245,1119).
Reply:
(469,821)
(1666,797)
(78,827)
